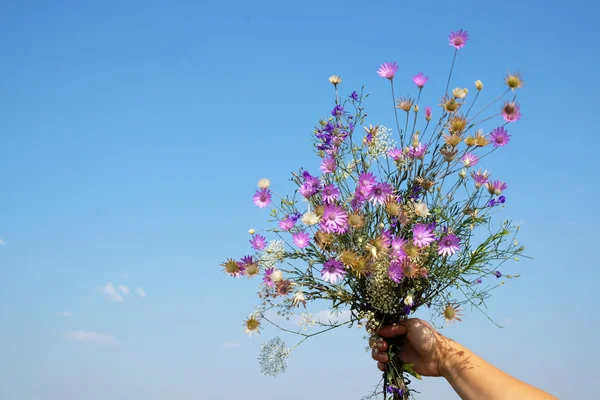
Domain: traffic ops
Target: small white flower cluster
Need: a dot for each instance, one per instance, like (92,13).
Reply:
(306,321)
(381,143)
(273,253)
(273,354)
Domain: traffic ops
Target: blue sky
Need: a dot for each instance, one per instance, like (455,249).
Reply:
(132,137)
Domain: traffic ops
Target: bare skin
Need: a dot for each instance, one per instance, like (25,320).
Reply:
(433,354)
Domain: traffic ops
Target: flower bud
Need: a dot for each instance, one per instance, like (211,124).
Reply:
(416,108)
(251,231)
(335,80)
(478,85)
(463,173)
(264,183)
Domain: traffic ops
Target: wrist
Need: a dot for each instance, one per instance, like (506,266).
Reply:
(450,355)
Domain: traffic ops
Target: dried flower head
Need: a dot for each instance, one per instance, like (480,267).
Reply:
(252,324)
(335,80)
(514,81)
(452,313)
(392,207)
(421,209)
(232,267)
(452,140)
(511,111)
(324,240)
(283,287)
(450,153)
(299,299)
(405,103)
(449,104)
(264,183)
(362,266)
(460,93)
(252,270)
(457,124)
(356,221)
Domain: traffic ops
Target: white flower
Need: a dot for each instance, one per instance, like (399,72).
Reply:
(310,218)
(335,80)
(408,300)
(264,183)
(276,276)
(460,93)
(299,298)
(421,210)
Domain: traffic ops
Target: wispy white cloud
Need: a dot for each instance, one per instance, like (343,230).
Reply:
(2,243)
(580,189)
(92,337)
(231,345)
(140,292)
(65,314)
(123,289)
(111,293)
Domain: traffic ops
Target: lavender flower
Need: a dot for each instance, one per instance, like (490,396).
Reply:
(258,242)
(423,235)
(333,271)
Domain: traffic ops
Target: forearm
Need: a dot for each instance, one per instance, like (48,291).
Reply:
(474,379)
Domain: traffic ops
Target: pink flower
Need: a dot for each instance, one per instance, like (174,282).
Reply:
(428,113)
(423,235)
(470,160)
(511,111)
(448,245)
(387,70)
(333,271)
(500,136)
(328,165)
(258,242)
(420,80)
(301,239)
(458,39)
(262,198)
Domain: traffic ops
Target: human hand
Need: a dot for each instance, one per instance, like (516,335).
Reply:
(423,347)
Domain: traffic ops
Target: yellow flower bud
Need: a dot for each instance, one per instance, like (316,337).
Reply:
(478,85)
(264,183)
(416,108)
(251,231)
(463,173)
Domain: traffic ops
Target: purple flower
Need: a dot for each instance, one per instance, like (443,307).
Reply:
(420,80)
(334,219)
(501,200)
(496,187)
(428,113)
(337,111)
(287,223)
(387,70)
(458,39)
(380,192)
(418,152)
(396,154)
(366,180)
(449,245)
(330,193)
(498,274)
(310,186)
(395,271)
(480,178)
(328,165)
(423,235)
(333,271)
(386,237)
(301,239)
(354,96)
(477,281)
(500,136)
(492,203)
(258,242)
(470,160)
(511,111)
(262,198)
(398,246)
(267,277)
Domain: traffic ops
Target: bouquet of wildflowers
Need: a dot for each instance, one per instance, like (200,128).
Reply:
(390,222)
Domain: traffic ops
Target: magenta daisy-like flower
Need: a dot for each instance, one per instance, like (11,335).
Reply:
(398,247)
(480,178)
(511,111)
(395,271)
(418,152)
(386,237)
(287,223)
(458,39)
(330,193)
(496,187)
(262,198)
(267,277)
(449,245)
(301,239)
(420,80)
(396,154)
(258,242)
(334,219)
(328,165)
(333,271)
(428,113)
(387,70)
(423,235)
(470,160)
(380,192)
(366,180)
(500,136)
